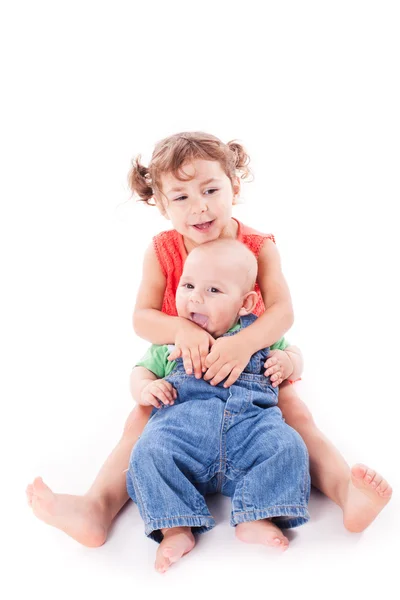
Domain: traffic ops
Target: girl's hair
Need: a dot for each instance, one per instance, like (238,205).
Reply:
(173,152)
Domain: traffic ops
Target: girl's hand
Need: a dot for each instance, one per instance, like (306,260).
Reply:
(228,356)
(158,391)
(192,343)
(278,367)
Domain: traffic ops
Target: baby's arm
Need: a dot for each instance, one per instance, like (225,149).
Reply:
(153,325)
(282,364)
(148,390)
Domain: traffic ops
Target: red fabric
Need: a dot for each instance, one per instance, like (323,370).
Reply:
(171,254)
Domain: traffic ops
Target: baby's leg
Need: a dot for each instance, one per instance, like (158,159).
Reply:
(166,465)
(176,542)
(87,518)
(360,492)
(276,485)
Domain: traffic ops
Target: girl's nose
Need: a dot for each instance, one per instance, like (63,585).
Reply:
(199,205)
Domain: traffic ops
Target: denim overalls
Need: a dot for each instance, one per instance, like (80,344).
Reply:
(215,439)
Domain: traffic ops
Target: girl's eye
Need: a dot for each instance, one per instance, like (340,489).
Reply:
(214,290)
(211,191)
(180,198)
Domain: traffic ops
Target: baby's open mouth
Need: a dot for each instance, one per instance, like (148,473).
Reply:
(203,226)
(199,319)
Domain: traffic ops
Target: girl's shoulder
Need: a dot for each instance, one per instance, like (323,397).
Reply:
(168,249)
(252,238)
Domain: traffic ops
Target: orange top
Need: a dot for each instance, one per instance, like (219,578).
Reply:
(171,253)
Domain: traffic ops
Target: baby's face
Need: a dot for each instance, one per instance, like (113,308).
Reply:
(210,293)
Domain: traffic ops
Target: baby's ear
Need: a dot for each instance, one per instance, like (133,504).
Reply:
(248,304)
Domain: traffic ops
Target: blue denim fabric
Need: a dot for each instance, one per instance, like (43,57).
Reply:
(233,441)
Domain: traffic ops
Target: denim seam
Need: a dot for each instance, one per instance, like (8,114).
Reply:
(300,512)
(269,508)
(305,481)
(138,493)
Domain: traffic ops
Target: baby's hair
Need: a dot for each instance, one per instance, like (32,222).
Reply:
(171,153)
(229,249)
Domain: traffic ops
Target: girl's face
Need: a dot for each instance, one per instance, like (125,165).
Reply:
(200,209)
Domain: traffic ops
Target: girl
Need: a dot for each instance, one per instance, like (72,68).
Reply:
(194,179)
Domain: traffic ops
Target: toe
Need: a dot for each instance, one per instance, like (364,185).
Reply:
(40,488)
(359,471)
(369,476)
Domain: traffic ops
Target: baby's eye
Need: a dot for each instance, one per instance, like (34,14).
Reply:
(188,286)
(211,191)
(214,290)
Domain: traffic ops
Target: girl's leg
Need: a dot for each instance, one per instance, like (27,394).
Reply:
(88,518)
(360,492)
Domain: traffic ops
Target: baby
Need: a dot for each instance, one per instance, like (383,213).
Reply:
(203,439)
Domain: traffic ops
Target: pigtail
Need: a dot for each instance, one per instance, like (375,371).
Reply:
(139,181)
(241,159)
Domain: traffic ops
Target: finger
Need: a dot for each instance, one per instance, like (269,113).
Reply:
(270,361)
(177,353)
(187,361)
(167,389)
(196,361)
(153,401)
(233,376)
(213,370)
(204,349)
(277,383)
(163,397)
(211,358)
(222,374)
(276,376)
(271,370)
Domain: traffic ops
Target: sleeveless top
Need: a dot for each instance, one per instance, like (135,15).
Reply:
(171,253)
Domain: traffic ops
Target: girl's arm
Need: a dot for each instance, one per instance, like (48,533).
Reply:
(149,322)
(278,316)
(229,356)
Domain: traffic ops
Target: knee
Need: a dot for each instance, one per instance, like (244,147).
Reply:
(294,410)
(136,422)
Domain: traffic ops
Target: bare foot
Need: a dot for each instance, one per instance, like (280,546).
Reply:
(80,517)
(368,494)
(262,532)
(177,542)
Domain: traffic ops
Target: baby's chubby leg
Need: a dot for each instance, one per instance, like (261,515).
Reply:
(87,518)
(360,492)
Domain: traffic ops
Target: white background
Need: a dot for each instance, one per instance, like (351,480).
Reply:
(312,90)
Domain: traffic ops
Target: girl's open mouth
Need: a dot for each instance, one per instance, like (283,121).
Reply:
(203,226)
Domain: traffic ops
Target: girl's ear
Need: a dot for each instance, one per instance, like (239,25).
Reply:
(248,303)
(236,188)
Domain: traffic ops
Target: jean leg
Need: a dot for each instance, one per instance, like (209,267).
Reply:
(274,462)
(174,453)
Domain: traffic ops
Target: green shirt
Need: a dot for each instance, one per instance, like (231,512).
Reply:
(156,357)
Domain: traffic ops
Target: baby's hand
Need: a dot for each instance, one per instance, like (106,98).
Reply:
(192,343)
(278,367)
(228,356)
(158,391)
